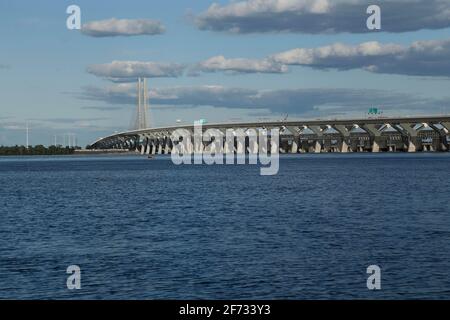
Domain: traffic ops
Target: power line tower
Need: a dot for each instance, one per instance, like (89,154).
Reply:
(140,117)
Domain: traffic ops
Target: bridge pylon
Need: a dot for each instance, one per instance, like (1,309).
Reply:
(140,119)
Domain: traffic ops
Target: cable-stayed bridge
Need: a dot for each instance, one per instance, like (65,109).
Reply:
(400,134)
(397,134)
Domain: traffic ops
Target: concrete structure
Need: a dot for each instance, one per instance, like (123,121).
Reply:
(405,134)
(140,118)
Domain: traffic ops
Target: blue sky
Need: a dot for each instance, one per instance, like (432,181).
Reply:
(44,76)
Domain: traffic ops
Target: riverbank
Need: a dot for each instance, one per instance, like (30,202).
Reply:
(57,151)
(38,150)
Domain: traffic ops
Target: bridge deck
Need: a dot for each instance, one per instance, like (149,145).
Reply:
(402,125)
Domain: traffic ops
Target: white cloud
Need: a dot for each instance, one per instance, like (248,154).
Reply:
(421,58)
(323,16)
(122,27)
(240,65)
(124,71)
(315,56)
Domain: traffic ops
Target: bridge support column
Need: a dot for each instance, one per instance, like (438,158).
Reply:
(137,147)
(252,137)
(274,147)
(240,147)
(345,136)
(375,136)
(167,149)
(190,148)
(240,140)
(411,135)
(228,148)
(199,147)
(301,147)
(294,148)
(319,133)
(253,147)
(147,145)
(160,148)
(344,147)
(207,147)
(144,143)
(443,133)
(213,148)
(317,147)
(446,132)
(295,140)
(138,144)
(375,147)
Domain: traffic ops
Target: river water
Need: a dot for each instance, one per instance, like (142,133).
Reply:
(148,229)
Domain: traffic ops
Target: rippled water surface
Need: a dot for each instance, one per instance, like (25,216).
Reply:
(142,228)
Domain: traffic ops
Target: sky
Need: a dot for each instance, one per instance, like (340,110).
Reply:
(224,61)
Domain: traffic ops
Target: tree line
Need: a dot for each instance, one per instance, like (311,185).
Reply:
(35,150)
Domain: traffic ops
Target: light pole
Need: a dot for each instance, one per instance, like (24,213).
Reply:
(28,133)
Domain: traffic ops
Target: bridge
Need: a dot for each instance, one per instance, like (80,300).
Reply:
(400,134)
